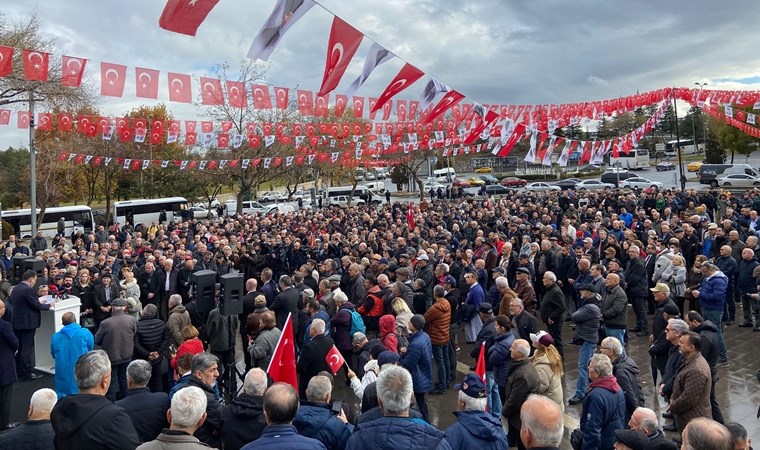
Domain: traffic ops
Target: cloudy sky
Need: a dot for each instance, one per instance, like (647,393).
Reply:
(493,51)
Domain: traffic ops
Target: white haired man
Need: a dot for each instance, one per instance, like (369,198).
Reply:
(187,414)
(243,419)
(36,432)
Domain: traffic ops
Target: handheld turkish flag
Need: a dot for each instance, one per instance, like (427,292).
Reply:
(410,217)
(282,367)
(184,17)
(35,65)
(334,359)
(480,367)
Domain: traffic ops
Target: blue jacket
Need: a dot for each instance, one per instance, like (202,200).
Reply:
(393,433)
(279,437)
(500,356)
(67,346)
(603,413)
(418,360)
(729,267)
(744,279)
(316,420)
(476,430)
(26,307)
(712,292)
(475,296)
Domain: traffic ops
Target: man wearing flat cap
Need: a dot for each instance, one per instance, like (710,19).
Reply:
(116,336)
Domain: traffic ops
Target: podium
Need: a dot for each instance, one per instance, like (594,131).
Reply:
(51,322)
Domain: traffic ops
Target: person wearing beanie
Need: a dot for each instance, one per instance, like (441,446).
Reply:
(371,370)
(417,359)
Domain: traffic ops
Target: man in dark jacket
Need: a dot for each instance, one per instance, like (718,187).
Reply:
(146,409)
(205,371)
(396,429)
(524,322)
(37,432)
(637,282)
(418,360)
(746,283)
(242,421)
(522,381)
(603,407)
(486,336)
(626,372)
(287,301)
(315,418)
(117,336)
(709,333)
(26,319)
(658,350)
(149,283)
(280,408)
(586,320)
(552,310)
(151,343)
(672,332)
(475,429)
(614,308)
(311,361)
(89,420)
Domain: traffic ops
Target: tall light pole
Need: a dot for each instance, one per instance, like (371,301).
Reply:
(700,87)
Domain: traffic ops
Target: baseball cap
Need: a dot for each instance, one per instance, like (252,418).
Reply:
(334,278)
(472,386)
(452,281)
(661,287)
(542,337)
(423,257)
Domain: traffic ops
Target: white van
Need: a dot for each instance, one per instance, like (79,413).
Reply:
(377,187)
(445,174)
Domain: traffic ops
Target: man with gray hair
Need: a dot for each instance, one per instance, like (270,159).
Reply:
(603,407)
(187,414)
(542,423)
(315,417)
(645,421)
(626,372)
(475,429)
(204,372)
(117,336)
(285,302)
(312,359)
(36,432)
(89,420)
(673,331)
(147,409)
(394,395)
(702,433)
(522,381)
(243,419)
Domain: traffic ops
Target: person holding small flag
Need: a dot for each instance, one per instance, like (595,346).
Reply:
(313,358)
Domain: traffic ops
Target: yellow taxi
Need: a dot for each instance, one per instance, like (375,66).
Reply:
(483,170)
(694,166)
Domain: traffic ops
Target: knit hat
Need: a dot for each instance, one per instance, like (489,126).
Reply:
(418,320)
(387,357)
(376,350)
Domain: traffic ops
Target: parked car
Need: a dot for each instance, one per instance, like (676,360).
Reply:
(199,212)
(282,208)
(483,170)
(460,182)
(613,177)
(593,185)
(489,179)
(664,166)
(342,200)
(739,180)
(694,166)
(568,183)
(540,186)
(640,183)
(381,173)
(251,207)
(497,189)
(513,182)
(474,181)
(272,196)
(589,168)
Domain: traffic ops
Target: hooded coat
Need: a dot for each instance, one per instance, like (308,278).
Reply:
(712,293)
(627,374)
(476,430)
(67,346)
(316,420)
(603,413)
(242,421)
(89,421)
(388,335)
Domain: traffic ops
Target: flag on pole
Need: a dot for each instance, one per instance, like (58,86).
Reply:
(410,216)
(282,367)
(334,359)
(480,367)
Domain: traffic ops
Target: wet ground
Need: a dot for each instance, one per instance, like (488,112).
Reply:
(738,392)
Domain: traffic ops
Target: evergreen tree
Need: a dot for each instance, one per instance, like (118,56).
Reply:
(713,153)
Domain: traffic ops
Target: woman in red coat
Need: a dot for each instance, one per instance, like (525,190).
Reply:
(190,344)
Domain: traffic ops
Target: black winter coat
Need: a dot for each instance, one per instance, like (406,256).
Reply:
(627,373)
(152,336)
(636,278)
(30,435)
(710,345)
(242,421)
(147,410)
(92,422)
(208,433)
(553,304)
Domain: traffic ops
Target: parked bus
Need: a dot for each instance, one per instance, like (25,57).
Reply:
(686,145)
(635,159)
(77,218)
(146,211)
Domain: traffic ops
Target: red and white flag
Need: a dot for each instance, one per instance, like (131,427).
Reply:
(340,104)
(282,366)
(334,359)
(44,121)
(343,43)
(185,16)
(5,116)
(358,107)
(112,77)
(305,102)
(322,106)
(35,65)
(281,95)
(146,83)
(283,16)
(6,60)
(211,91)
(65,121)
(23,119)
(72,70)
(237,95)
(480,367)
(405,78)
(180,88)
(410,216)
(261,98)
(448,101)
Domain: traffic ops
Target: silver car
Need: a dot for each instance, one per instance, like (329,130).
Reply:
(640,183)
(540,186)
(593,185)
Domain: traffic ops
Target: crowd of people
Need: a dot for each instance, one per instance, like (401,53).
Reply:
(402,292)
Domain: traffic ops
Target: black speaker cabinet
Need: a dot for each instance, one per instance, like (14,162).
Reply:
(205,281)
(232,299)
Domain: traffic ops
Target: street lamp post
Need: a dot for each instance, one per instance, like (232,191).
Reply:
(701,87)
(678,149)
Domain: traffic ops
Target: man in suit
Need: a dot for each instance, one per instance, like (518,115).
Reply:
(8,346)
(287,301)
(167,281)
(249,306)
(149,283)
(104,294)
(313,355)
(26,320)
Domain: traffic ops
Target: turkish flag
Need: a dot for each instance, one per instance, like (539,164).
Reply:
(480,367)
(343,43)
(72,70)
(261,98)
(511,140)
(64,122)
(207,126)
(44,122)
(155,136)
(190,126)
(281,97)
(6,61)
(222,140)
(358,106)
(179,88)
(83,123)
(236,94)
(146,83)
(401,110)
(405,78)
(103,124)
(112,77)
(387,110)
(305,102)
(35,65)
(191,138)
(125,134)
(340,104)
(449,100)
(334,359)
(322,107)
(211,91)
(157,126)
(282,366)
(410,217)
(5,116)
(184,17)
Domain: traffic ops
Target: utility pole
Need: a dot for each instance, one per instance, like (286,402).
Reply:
(678,149)
(32,167)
